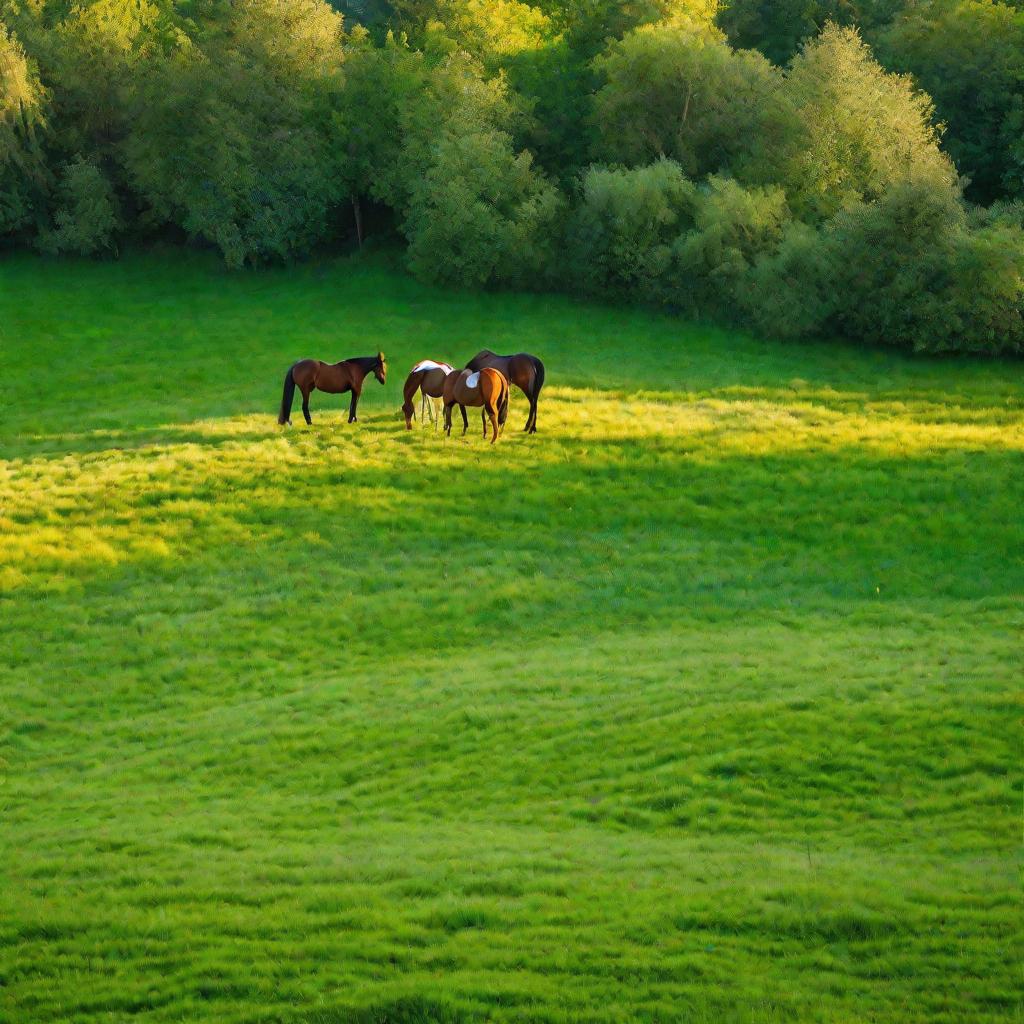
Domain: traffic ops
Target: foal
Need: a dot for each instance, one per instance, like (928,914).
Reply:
(309,375)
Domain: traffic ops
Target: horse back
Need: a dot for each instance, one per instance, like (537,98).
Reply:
(305,370)
(519,369)
(483,358)
(334,377)
(432,382)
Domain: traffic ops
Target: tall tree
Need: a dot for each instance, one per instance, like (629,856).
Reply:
(969,56)
(23,174)
(863,128)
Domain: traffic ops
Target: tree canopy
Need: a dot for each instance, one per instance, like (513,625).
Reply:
(812,167)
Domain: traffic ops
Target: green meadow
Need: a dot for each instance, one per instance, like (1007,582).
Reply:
(703,704)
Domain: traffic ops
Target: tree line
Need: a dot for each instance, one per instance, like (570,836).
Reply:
(848,167)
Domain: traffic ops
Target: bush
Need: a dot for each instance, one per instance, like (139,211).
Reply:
(915,274)
(480,215)
(911,269)
(790,291)
(733,226)
(86,219)
(621,235)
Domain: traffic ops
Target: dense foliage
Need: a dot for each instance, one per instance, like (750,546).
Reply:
(756,162)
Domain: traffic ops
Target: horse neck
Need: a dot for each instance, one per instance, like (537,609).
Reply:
(362,366)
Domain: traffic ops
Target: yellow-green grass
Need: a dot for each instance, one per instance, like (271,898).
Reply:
(702,704)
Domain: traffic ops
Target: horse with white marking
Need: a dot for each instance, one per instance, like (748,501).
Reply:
(485,388)
(524,370)
(427,377)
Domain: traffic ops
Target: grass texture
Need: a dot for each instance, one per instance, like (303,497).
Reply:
(702,704)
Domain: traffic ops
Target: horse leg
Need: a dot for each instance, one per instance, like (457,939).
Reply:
(447,411)
(532,421)
(483,420)
(465,419)
(352,405)
(305,405)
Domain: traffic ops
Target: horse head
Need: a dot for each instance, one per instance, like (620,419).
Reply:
(380,369)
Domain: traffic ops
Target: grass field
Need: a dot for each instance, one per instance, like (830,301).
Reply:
(702,704)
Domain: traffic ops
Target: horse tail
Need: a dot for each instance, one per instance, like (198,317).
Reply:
(286,398)
(503,402)
(538,377)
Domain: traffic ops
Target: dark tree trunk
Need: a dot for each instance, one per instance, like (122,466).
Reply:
(357,209)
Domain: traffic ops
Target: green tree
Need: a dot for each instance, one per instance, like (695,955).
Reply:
(863,130)
(86,218)
(779,28)
(23,175)
(969,56)
(480,214)
(682,93)
(397,102)
(231,141)
(622,234)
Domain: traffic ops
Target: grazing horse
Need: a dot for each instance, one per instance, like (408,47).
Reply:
(335,378)
(487,388)
(521,369)
(427,377)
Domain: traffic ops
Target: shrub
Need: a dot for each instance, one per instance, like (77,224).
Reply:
(621,236)
(914,274)
(733,226)
(86,219)
(480,214)
(790,291)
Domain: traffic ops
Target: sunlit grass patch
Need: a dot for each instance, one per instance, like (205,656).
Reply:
(221,480)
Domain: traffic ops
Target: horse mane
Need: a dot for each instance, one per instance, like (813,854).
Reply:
(366,363)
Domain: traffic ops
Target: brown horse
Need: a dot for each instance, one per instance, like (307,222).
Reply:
(427,377)
(335,378)
(487,388)
(521,369)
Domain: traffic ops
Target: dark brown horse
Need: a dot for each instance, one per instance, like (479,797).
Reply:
(309,375)
(487,388)
(521,369)
(427,377)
